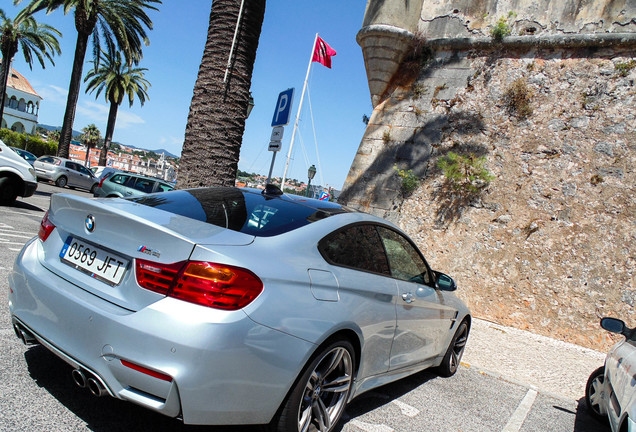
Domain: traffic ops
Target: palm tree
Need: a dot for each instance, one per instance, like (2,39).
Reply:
(216,121)
(117,80)
(90,136)
(118,24)
(34,39)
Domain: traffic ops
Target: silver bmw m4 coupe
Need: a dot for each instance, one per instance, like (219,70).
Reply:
(233,306)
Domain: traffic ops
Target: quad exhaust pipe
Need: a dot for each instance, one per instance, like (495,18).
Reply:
(82,378)
(85,379)
(96,387)
(24,335)
(79,378)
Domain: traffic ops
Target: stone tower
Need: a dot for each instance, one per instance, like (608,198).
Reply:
(542,92)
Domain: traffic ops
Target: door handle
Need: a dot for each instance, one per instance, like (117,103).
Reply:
(408,297)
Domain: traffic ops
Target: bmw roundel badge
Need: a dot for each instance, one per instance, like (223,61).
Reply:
(90,223)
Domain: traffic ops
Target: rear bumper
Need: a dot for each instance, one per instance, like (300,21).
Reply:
(222,371)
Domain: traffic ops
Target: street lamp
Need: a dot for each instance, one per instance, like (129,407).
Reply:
(250,105)
(311,172)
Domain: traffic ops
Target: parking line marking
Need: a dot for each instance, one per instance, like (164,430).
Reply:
(7,242)
(406,409)
(522,411)
(368,427)
(3,234)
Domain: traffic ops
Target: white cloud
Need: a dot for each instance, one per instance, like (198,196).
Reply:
(98,113)
(53,95)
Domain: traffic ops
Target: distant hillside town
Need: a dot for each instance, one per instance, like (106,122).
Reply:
(129,159)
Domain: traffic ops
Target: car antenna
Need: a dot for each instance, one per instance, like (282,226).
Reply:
(271,189)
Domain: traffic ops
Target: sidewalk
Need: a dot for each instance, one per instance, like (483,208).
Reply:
(547,365)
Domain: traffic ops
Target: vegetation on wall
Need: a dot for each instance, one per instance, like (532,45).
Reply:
(465,173)
(624,68)
(414,61)
(502,28)
(517,99)
(410,181)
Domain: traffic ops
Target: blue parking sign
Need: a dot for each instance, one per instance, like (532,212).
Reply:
(283,108)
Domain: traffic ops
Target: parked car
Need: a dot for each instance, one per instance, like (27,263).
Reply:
(17,177)
(120,184)
(65,172)
(610,390)
(227,305)
(27,156)
(103,171)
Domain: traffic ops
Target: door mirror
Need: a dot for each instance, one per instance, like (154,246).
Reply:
(444,282)
(613,325)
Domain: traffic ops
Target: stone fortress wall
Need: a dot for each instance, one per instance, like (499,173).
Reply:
(549,245)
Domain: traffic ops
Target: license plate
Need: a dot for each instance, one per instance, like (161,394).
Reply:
(94,261)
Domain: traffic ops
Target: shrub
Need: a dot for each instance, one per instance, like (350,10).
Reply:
(517,99)
(31,143)
(410,181)
(502,28)
(624,68)
(466,173)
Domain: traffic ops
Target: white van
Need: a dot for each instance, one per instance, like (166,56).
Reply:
(17,176)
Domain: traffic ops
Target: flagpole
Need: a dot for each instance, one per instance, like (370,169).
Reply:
(300,105)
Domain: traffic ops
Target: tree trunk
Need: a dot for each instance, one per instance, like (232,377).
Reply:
(5,71)
(73,95)
(89,146)
(216,121)
(110,128)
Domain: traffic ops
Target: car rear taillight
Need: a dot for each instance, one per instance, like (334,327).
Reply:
(101,182)
(208,284)
(46,227)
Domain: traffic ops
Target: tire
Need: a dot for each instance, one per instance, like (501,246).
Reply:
(61,181)
(8,190)
(319,396)
(594,394)
(94,188)
(454,353)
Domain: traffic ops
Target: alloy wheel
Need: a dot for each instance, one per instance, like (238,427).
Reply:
(326,392)
(458,348)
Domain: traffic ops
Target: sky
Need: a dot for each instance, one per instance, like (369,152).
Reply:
(337,97)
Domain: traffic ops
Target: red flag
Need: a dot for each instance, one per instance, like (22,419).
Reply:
(323,53)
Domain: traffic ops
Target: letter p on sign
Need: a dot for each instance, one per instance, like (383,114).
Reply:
(283,108)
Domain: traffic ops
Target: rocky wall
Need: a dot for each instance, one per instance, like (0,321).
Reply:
(549,245)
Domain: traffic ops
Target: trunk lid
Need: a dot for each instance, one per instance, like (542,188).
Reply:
(96,242)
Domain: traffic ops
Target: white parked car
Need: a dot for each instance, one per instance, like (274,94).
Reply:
(609,392)
(17,177)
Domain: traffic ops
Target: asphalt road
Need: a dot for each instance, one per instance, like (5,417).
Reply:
(37,393)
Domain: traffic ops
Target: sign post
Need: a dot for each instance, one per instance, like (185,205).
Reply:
(282,113)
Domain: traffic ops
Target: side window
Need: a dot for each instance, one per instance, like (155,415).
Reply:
(71,166)
(162,187)
(404,260)
(119,179)
(143,185)
(358,247)
(83,170)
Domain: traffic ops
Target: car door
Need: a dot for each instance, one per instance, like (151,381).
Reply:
(72,174)
(423,320)
(621,379)
(361,270)
(86,178)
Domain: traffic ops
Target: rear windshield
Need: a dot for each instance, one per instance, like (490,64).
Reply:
(242,210)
